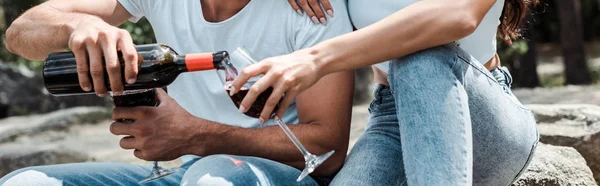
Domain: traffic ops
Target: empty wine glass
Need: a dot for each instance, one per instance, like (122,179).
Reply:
(134,98)
(242,58)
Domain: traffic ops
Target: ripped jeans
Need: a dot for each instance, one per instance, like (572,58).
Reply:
(210,170)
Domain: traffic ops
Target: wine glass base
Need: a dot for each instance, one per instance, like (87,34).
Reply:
(158,173)
(312,162)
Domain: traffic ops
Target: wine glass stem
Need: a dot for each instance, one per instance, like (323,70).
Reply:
(292,137)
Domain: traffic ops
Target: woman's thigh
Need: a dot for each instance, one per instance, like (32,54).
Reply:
(504,131)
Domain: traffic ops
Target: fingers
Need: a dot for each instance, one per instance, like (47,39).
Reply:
(128,142)
(83,69)
(96,69)
(272,102)
(132,113)
(316,8)
(162,95)
(109,47)
(286,102)
(295,7)
(138,154)
(246,74)
(130,56)
(328,7)
(258,88)
(309,11)
(120,128)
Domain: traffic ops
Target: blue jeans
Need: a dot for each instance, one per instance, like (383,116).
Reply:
(210,170)
(444,120)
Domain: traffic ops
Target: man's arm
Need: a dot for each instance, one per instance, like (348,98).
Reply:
(168,131)
(325,112)
(46,28)
(87,28)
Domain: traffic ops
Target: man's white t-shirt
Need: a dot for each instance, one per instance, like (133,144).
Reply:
(265,27)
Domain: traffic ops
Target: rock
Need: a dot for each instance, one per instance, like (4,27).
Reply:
(575,125)
(13,157)
(360,118)
(22,92)
(556,166)
(363,85)
(13,127)
(570,94)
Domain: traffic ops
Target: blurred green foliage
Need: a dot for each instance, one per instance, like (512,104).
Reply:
(141,32)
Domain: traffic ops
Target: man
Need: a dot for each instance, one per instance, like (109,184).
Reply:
(196,117)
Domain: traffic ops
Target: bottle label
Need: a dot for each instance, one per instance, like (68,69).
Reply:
(199,62)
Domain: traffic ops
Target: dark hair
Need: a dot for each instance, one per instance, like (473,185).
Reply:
(512,15)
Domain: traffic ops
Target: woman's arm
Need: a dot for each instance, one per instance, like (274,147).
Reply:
(422,25)
(419,26)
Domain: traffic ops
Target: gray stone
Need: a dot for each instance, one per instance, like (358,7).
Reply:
(22,92)
(13,127)
(13,157)
(556,166)
(363,85)
(570,94)
(575,125)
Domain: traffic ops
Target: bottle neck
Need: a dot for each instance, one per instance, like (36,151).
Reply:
(197,62)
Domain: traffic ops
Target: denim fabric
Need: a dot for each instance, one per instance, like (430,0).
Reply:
(210,170)
(444,120)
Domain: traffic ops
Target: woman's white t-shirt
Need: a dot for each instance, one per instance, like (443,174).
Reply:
(481,44)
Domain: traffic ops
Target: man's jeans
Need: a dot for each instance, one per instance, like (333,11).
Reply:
(211,170)
(445,120)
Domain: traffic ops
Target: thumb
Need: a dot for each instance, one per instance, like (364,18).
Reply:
(162,95)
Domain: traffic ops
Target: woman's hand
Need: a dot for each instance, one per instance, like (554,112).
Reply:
(289,75)
(313,9)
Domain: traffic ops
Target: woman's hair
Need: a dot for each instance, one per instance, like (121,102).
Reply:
(512,15)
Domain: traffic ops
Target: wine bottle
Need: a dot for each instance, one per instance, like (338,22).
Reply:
(158,66)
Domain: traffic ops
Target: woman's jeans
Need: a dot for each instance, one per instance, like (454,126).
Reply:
(444,120)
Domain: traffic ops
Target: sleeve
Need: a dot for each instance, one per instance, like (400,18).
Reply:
(309,34)
(137,8)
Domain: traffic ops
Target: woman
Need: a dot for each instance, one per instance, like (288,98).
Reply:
(443,113)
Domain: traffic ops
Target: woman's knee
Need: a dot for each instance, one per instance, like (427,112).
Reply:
(426,67)
(440,56)
(219,170)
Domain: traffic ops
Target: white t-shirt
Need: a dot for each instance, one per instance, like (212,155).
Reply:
(265,27)
(481,44)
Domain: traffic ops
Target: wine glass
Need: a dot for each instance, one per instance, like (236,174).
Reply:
(145,97)
(241,55)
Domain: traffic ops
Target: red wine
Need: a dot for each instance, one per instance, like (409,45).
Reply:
(159,66)
(136,98)
(258,105)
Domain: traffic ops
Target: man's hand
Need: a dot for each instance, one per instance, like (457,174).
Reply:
(160,133)
(313,9)
(95,44)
